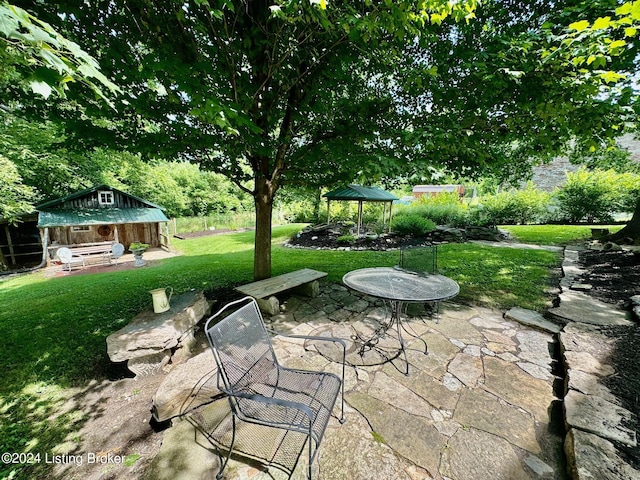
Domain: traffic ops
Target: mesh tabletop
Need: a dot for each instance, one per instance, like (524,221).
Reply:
(401,286)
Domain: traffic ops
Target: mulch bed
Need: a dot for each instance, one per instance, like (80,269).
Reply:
(615,277)
(329,239)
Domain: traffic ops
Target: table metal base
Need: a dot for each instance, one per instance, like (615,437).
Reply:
(365,344)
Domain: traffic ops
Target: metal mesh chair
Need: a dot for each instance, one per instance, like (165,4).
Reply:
(260,390)
(420,260)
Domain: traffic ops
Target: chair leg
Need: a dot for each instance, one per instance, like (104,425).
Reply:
(310,457)
(233,439)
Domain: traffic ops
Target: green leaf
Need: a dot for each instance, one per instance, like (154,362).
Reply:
(8,24)
(616,45)
(601,23)
(624,9)
(611,77)
(21,15)
(579,26)
(635,11)
(437,18)
(130,460)
(53,60)
(41,88)
(600,61)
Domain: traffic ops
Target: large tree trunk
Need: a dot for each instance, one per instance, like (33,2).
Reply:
(263,199)
(631,230)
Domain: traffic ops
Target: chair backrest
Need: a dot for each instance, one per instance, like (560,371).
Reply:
(64,254)
(117,250)
(241,346)
(422,259)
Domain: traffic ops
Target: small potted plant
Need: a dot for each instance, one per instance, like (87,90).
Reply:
(138,249)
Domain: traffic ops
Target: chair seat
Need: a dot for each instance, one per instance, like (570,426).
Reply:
(315,390)
(117,250)
(68,258)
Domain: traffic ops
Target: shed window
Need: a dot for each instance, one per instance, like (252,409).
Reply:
(105,198)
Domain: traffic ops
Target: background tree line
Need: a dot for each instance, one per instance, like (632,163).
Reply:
(42,168)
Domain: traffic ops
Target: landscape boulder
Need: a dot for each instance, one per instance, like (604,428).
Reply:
(150,339)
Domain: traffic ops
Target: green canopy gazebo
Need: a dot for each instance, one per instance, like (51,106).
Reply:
(360,194)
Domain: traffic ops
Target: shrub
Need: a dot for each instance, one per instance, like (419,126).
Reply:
(412,224)
(588,196)
(346,239)
(628,185)
(527,205)
(302,211)
(454,214)
(442,209)
(377,227)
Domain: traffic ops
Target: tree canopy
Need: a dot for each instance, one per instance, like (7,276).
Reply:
(234,84)
(314,93)
(48,61)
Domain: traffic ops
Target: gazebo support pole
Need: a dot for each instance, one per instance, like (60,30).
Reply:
(359,217)
(390,215)
(115,234)
(384,213)
(328,210)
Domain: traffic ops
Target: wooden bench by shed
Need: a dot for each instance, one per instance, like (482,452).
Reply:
(82,253)
(304,281)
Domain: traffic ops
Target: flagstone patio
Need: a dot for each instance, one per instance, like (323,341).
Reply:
(479,405)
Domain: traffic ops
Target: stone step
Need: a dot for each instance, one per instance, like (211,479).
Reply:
(579,307)
(532,319)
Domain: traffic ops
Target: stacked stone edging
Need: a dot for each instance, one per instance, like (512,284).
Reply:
(593,417)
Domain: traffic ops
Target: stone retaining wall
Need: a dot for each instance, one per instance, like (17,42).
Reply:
(594,420)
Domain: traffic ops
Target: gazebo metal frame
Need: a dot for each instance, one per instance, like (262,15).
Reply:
(361,194)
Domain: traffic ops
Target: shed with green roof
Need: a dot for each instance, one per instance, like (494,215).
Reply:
(97,215)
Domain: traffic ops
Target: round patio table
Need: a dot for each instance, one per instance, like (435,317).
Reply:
(399,287)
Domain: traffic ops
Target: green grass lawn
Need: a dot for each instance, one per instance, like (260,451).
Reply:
(553,234)
(53,330)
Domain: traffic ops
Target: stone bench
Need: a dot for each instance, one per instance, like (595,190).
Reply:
(304,281)
(149,341)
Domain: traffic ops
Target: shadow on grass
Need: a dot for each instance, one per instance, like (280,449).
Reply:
(53,331)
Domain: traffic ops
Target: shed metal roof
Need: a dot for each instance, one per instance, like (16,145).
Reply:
(100,216)
(360,193)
